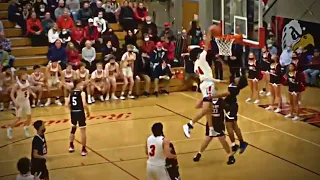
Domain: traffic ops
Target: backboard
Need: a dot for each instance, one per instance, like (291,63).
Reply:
(241,17)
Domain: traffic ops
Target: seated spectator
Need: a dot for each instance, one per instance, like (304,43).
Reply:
(170,46)
(65,21)
(4,57)
(130,38)
(77,36)
(158,55)
(191,78)
(112,72)
(126,68)
(141,12)
(143,71)
(313,70)
(89,56)
(127,17)
(6,45)
(108,49)
(110,9)
(110,35)
(65,37)
(151,29)
(195,33)
(166,32)
(53,34)
(40,8)
(183,41)
(52,6)
(58,53)
(60,10)
(74,7)
(162,72)
(91,32)
(148,46)
(98,8)
(100,23)
(84,14)
(35,31)
(73,56)
(47,23)
(15,14)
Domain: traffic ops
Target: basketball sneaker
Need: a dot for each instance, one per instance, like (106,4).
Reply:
(296,118)
(288,116)
(84,152)
(9,132)
(231,160)
(277,110)
(58,102)
(1,107)
(122,97)
(101,98)
(114,97)
(48,102)
(248,100)
(164,92)
(71,148)
(256,101)
(93,100)
(235,148)
(243,147)
(89,100)
(269,108)
(186,130)
(130,96)
(146,94)
(197,157)
(26,131)
(155,93)
(107,97)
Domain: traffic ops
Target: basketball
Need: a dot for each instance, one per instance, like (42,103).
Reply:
(238,38)
(215,30)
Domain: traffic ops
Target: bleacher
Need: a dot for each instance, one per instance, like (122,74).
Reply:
(28,56)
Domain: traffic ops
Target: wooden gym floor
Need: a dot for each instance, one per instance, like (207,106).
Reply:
(279,148)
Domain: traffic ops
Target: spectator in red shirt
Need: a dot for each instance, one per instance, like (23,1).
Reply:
(73,56)
(35,31)
(148,46)
(77,36)
(91,32)
(141,12)
(170,46)
(65,21)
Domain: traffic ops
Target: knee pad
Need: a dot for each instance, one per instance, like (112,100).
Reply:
(73,129)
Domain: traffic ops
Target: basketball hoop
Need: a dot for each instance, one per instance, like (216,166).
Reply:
(225,42)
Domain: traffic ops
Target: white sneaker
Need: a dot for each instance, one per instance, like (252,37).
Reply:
(1,107)
(248,100)
(269,108)
(296,118)
(277,110)
(101,98)
(48,103)
(261,92)
(256,101)
(288,116)
(130,96)
(93,100)
(268,93)
(26,131)
(89,101)
(58,102)
(17,26)
(39,104)
(11,106)
(186,130)
(107,97)
(9,133)
(299,102)
(113,97)
(33,105)
(71,149)
(122,97)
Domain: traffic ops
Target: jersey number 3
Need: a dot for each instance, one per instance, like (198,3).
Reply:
(152,150)
(74,101)
(199,71)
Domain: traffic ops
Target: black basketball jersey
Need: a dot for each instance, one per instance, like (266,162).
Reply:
(171,162)
(217,108)
(76,103)
(232,97)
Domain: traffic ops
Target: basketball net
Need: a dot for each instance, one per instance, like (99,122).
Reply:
(225,45)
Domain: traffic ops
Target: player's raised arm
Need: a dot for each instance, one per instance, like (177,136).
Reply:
(208,39)
(166,149)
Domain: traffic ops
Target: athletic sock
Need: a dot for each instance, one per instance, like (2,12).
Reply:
(191,123)
(71,144)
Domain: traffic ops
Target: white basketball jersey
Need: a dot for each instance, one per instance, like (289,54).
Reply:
(202,68)
(155,151)
(23,91)
(68,77)
(96,76)
(25,177)
(83,76)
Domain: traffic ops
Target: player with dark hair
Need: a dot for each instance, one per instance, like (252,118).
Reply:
(78,107)
(158,149)
(23,167)
(39,152)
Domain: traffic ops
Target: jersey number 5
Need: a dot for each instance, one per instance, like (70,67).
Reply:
(74,101)
(26,94)
(152,150)
(199,71)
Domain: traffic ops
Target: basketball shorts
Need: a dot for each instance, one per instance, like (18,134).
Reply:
(69,85)
(232,112)
(24,106)
(218,127)
(157,172)
(127,72)
(78,118)
(112,78)
(53,81)
(40,169)
(173,172)
(207,89)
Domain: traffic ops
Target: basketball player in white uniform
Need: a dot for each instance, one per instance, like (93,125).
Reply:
(21,101)
(6,83)
(112,72)
(67,78)
(127,66)
(84,75)
(52,75)
(158,149)
(99,82)
(37,85)
(207,87)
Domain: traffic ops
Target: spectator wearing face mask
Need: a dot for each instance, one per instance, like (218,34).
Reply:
(169,45)
(158,55)
(77,36)
(150,28)
(195,33)
(166,32)
(108,49)
(65,21)
(110,9)
(100,23)
(148,46)
(47,23)
(271,48)
(313,69)
(58,12)
(6,44)
(84,14)
(130,38)
(162,72)
(183,41)
(53,34)
(91,32)
(40,8)
(74,6)
(286,57)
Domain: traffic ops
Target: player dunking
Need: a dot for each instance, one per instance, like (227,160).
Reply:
(78,107)
(158,149)
(21,101)
(207,87)
(218,106)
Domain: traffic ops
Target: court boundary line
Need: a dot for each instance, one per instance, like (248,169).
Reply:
(262,150)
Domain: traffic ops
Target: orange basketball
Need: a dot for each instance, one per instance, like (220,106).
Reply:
(215,30)
(238,38)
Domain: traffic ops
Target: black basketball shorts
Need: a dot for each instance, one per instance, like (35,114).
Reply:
(218,127)
(173,172)
(40,169)
(78,118)
(232,112)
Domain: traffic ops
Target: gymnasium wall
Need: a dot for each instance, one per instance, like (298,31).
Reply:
(190,7)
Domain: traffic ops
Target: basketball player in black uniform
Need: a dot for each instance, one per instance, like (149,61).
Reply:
(172,165)
(78,107)
(39,152)
(231,109)
(218,106)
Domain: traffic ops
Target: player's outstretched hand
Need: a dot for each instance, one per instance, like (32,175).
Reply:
(224,81)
